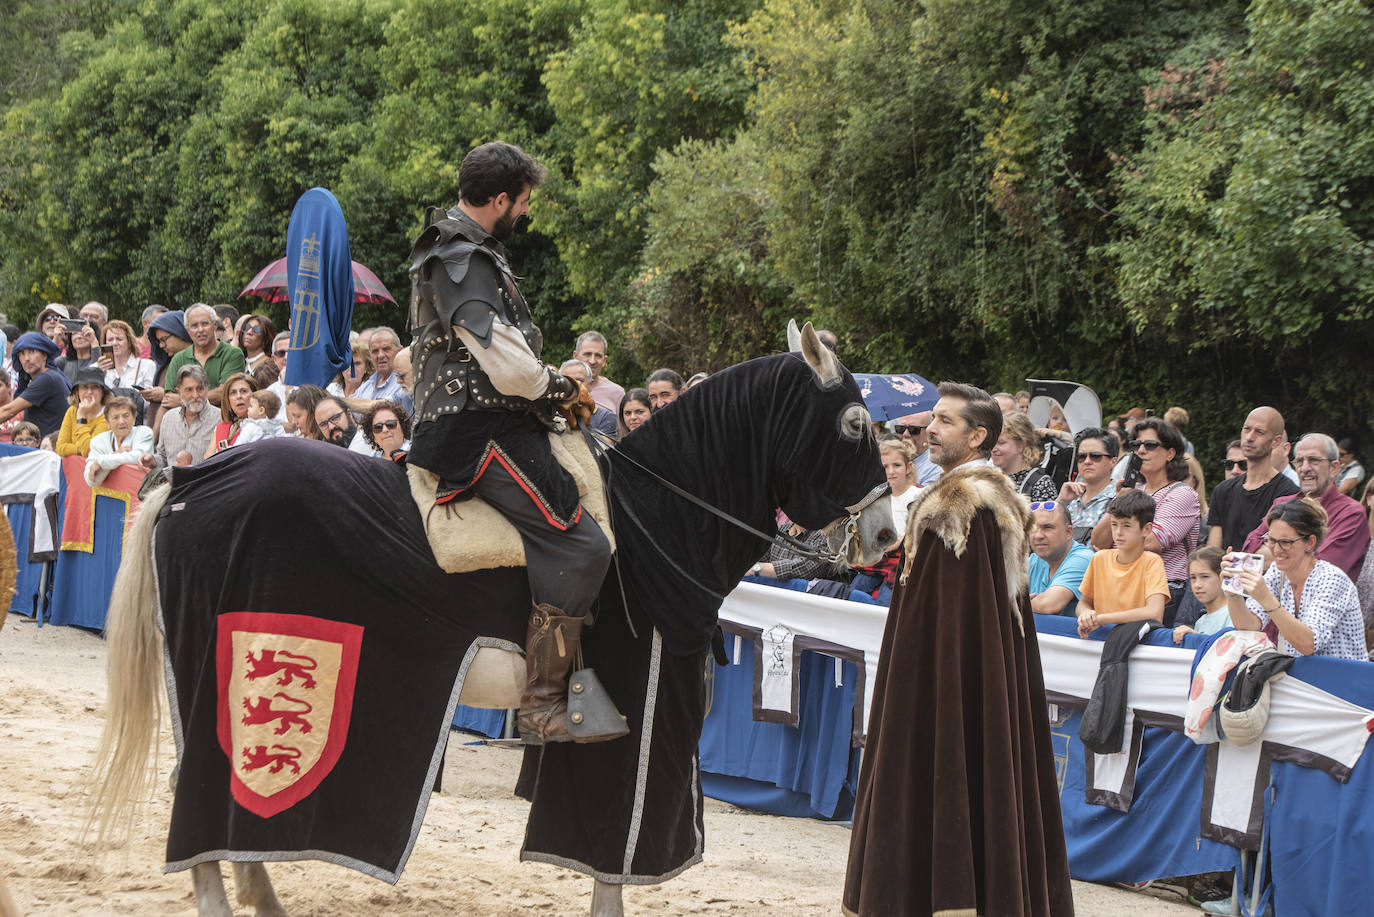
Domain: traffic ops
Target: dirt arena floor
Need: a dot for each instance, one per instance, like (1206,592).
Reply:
(52,690)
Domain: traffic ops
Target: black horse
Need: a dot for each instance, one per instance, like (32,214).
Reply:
(287,551)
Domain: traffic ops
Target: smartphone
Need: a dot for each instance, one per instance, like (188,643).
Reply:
(1230,580)
(107,349)
(1132,477)
(73,324)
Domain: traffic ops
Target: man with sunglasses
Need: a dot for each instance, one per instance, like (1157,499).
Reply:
(1239,504)
(1235,464)
(1347,532)
(912,428)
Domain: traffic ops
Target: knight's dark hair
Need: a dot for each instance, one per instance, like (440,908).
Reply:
(1108,438)
(979,410)
(1306,516)
(665,375)
(1177,469)
(495,167)
(1133,503)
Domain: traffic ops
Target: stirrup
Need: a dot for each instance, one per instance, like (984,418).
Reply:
(592,715)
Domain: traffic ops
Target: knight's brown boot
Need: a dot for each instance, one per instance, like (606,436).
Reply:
(552,642)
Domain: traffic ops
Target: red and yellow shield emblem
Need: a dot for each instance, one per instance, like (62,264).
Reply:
(285,696)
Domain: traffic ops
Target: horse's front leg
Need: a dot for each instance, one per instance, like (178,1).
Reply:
(254,888)
(606,900)
(209,885)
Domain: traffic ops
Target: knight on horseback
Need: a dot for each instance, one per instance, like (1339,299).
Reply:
(485,403)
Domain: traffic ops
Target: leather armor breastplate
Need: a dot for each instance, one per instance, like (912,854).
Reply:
(448,377)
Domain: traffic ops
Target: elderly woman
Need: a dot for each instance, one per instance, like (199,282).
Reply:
(86,416)
(233,411)
(635,408)
(124,368)
(41,390)
(346,383)
(386,428)
(1311,604)
(1018,453)
(122,444)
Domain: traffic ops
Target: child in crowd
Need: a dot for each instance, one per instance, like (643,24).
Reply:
(1204,574)
(1128,583)
(261,422)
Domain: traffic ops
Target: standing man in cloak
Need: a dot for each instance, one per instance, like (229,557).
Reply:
(484,406)
(958,806)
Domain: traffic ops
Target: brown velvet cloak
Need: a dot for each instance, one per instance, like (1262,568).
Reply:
(958,805)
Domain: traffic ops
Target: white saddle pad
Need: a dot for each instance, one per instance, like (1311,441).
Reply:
(471,535)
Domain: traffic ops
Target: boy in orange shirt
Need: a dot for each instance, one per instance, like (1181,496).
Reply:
(1128,583)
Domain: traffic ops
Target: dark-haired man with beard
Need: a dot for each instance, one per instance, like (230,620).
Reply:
(484,405)
(958,804)
(335,422)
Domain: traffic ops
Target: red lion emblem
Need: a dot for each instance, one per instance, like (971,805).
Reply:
(270,662)
(260,757)
(260,711)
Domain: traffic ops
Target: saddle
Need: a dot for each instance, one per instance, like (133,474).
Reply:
(472,535)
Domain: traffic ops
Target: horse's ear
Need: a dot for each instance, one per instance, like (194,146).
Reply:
(822,362)
(794,343)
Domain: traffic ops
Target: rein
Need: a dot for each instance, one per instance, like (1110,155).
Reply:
(799,546)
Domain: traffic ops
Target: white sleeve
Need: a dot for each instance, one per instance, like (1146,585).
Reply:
(146,370)
(508,362)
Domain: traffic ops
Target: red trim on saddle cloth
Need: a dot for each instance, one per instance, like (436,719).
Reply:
(494,451)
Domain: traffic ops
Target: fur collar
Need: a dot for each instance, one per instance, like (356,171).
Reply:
(947,508)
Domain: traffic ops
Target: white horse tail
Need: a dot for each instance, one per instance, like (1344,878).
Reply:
(125,772)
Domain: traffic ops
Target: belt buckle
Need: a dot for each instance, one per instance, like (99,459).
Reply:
(453,386)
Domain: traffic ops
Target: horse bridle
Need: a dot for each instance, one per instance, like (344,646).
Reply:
(851,524)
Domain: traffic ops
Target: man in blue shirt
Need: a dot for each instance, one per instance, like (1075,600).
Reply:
(1057,562)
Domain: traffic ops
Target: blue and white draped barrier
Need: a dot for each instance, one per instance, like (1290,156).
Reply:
(31,491)
(1162,807)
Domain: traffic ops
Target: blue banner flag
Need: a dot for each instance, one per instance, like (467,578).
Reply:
(319,286)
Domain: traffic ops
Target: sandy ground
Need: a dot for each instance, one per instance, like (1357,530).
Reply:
(465,862)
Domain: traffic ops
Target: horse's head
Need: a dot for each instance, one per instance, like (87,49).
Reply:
(830,476)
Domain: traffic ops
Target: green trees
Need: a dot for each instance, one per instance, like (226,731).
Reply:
(1170,202)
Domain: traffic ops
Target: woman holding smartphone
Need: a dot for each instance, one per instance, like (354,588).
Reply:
(123,368)
(83,346)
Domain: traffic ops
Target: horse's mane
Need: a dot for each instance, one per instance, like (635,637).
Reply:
(717,441)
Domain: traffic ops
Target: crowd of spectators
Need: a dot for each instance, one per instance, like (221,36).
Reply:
(1122,525)
(1123,530)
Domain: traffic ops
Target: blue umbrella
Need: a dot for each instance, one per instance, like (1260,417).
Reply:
(889,396)
(319,284)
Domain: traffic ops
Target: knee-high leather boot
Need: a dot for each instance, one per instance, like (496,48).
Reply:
(552,643)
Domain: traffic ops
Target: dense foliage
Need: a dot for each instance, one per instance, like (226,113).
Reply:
(1170,202)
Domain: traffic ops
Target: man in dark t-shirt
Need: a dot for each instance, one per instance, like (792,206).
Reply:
(42,390)
(1239,504)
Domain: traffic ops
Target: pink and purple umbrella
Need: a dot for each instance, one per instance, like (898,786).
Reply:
(270,284)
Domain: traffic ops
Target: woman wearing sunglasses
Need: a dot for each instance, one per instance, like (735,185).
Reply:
(1173,534)
(1090,492)
(386,427)
(255,338)
(1309,606)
